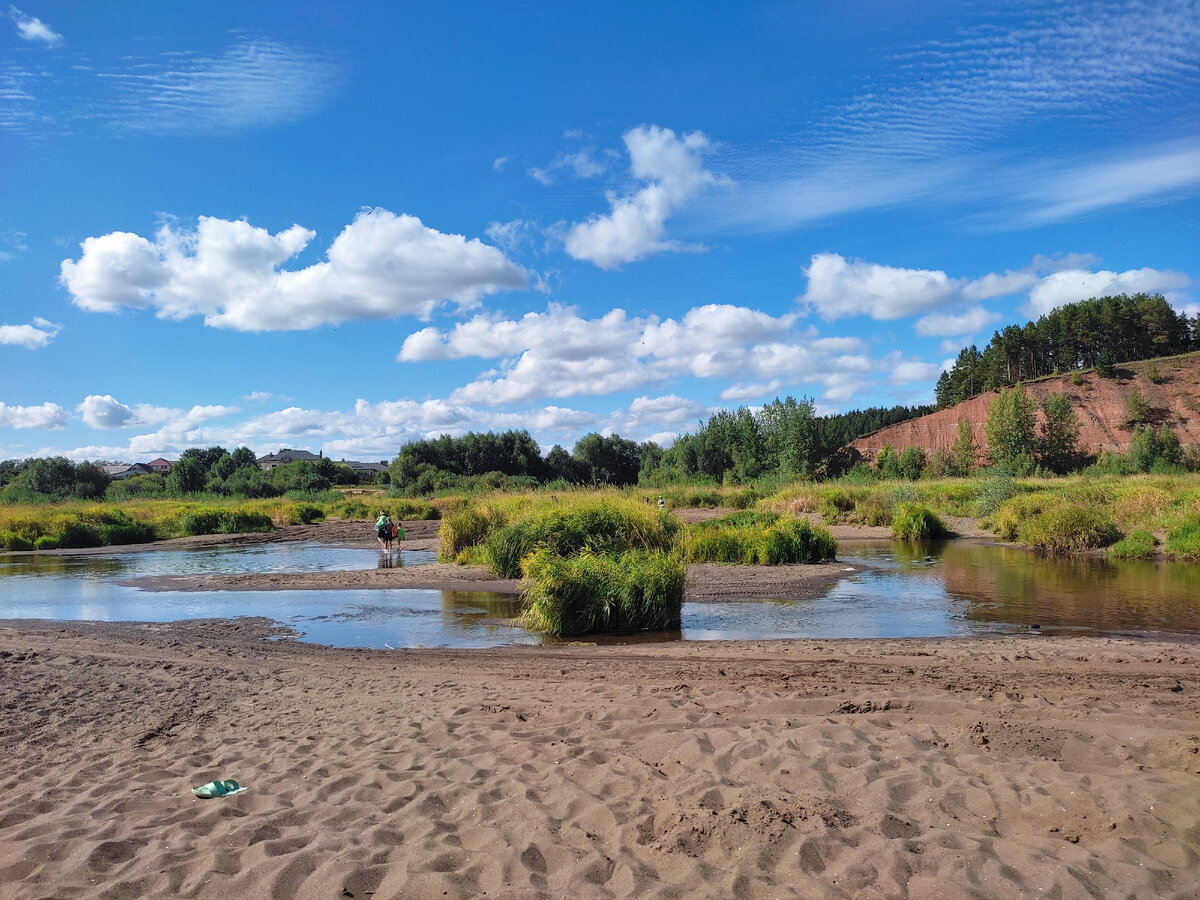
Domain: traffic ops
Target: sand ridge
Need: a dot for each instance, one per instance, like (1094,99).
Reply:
(1014,766)
(1023,765)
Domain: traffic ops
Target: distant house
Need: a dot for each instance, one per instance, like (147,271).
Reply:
(121,471)
(271,460)
(159,466)
(365,471)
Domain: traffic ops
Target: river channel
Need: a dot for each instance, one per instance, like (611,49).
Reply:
(937,590)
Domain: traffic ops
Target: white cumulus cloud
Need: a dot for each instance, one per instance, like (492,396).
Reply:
(32,336)
(635,226)
(47,416)
(560,353)
(839,287)
(380,266)
(1073,285)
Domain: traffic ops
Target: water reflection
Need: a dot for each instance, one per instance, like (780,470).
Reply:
(1004,584)
(935,590)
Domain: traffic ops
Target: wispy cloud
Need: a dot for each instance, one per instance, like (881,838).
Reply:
(938,125)
(1146,175)
(33,29)
(255,83)
(1017,66)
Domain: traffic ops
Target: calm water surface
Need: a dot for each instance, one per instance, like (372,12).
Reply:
(951,589)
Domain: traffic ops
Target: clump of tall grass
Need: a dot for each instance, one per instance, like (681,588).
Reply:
(72,525)
(993,493)
(1068,527)
(836,503)
(600,525)
(759,539)
(466,527)
(1183,541)
(916,522)
(592,593)
(873,509)
(1011,516)
(217,520)
(1138,544)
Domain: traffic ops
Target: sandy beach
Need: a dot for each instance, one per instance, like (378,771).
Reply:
(999,767)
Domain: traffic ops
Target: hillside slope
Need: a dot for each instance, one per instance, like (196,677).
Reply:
(1101,405)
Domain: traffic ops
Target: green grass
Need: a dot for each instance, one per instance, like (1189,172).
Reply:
(601,593)
(1138,544)
(916,522)
(500,531)
(1183,541)
(1069,528)
(765,539)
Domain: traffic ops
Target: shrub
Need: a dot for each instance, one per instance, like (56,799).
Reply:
(1138,544)
(914,522)
(1069,527)
(307,513)
(127,533)
(595,594)
(80,534)
(45,542)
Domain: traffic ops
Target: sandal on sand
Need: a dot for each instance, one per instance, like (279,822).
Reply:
(218,789)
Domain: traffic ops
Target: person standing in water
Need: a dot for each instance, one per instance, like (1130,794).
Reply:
(383,531)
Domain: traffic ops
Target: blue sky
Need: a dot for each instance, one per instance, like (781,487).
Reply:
(344,227)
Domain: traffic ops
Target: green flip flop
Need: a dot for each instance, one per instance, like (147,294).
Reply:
(218,789)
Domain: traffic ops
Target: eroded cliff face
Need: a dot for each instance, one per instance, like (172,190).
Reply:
(1101,405)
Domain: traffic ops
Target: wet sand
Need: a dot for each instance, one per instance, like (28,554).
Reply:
(990,767)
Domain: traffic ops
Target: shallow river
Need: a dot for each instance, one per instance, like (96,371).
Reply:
(952,589)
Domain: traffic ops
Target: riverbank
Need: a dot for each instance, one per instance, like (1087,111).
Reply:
(998,767)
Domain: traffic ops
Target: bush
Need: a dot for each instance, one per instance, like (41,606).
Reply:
(1138,544)
(127,533)
(597,594)
(1069,527)
(307,513)
(45,542)
(914,522)
(80,534)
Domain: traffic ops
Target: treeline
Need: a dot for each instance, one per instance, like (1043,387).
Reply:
(214,470)
(784,439)
(1098,333)
(514,459)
